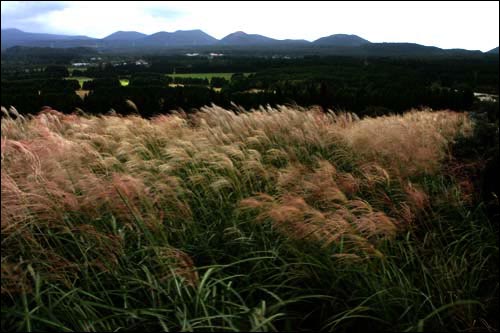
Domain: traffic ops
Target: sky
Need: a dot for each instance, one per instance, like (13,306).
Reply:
(470,25)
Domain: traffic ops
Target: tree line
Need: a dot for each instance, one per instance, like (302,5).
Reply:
(367,86)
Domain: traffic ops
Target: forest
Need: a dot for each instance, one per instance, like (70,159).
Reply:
(365,86)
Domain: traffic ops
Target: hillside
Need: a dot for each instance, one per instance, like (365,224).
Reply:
(241,38)
(125,36)
(493,51)
(341,40)
(16,37)
(178,38)
(237,42)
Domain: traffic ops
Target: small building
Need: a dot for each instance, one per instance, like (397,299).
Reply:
(141,62)
(80,64)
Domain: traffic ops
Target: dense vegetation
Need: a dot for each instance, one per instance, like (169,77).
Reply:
(273,219)
(365,86)
(135,206)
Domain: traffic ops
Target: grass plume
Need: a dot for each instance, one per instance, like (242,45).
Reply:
(227,220)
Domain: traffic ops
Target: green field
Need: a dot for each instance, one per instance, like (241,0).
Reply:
(124,82)
(72,68)
(80,79)
(208,76)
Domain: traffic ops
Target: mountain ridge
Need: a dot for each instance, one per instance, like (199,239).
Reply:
(343,44)
(341,40)
(125,35)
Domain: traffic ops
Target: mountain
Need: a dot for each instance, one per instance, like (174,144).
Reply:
(411,50)
(119,39)
(178,38)
(12,37)
(494,51)
(298,41)
(124,36)
(19,35)
(237,43)
(398,49)
(341,40)
(241,38)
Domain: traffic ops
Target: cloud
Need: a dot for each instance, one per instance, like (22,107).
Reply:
(159,11)
(26,9)
(26,14)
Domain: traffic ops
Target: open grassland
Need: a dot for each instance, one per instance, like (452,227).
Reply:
(274,219)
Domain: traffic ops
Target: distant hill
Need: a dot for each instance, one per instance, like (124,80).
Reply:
(393,49)
(297,41)
(49,51)
(238,42)
(411,49)
(13,37)
(18,35)
(242,38)
(178,38)
(341,40)
(125,36)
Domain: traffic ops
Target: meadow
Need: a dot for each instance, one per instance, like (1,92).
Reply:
(124,82)
(268,219)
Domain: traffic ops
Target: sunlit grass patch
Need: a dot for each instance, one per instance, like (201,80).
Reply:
(81,79)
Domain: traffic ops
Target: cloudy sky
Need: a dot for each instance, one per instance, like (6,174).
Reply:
(469,25)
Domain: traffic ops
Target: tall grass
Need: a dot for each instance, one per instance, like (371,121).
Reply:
(230,220)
